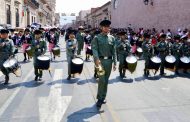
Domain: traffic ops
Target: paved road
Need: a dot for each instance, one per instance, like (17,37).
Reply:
(134,99)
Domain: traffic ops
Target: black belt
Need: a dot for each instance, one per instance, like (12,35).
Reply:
(105,57)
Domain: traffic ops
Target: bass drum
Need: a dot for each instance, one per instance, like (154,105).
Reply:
(29,51)
(131,63)
(139,52)
(56,51)
(77,65)
(169,62)
(12,66)
(154,63)
(43,62)
(184,62)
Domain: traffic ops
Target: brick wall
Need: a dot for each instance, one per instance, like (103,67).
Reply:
(163,14)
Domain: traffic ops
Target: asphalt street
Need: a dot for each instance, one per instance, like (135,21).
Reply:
(134,99)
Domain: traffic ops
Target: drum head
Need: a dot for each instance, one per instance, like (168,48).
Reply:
(89,47)
(185,60)
(77,61)
(170,59)
(10,63)
(139,50)
(43,58)
(131,59)
(156,59)
(29,48)
(56,48)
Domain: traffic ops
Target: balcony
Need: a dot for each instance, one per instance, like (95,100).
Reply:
(33,3)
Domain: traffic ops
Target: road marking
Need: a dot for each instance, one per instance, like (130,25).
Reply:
(11,98)
(93,88)
(53,107)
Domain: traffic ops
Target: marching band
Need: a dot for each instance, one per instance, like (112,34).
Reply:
(160,51)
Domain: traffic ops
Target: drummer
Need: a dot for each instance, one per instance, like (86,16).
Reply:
(26,41)
(162,48)
(80,40)
(186,49)
(87,39)
(39,47)
(6,51)
(71,44)
(51,37)
(146,46)
(177,51)
(104,53)
(123,49)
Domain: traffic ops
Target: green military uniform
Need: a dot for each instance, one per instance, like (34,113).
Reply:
(80,42)
(37,52)
(123,50)
(146,55)
(70,51)
(177,52)
(5,52)
(162,48)
(104,49)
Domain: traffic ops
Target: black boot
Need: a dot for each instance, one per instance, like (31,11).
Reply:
(145,72)
(99,103)
(69,77)
(36,78)
(6,80)
(123,75)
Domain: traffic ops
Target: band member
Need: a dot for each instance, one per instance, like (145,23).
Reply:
(13,36)
(51,37)
(104,53)
(185,49)
(162,48)
(146,46)
(6,51)
(88,40)
(71,44)
(80,40)
(39,47)
(26,42)
(177,51)
(123,49)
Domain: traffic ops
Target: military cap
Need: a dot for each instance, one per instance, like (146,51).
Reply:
(4,31)
(27,30)
(36,32)
(105,23)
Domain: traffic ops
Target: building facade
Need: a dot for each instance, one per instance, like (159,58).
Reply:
(10,12)
(161,14)
(80,20)
(97,15)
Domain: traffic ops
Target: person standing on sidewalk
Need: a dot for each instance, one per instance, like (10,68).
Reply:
(104,53)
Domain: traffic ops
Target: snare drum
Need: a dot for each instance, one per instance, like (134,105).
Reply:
(154,63)
(77,65)
(11,65)
(43,62)
(184,62)
(170,62)
(131,63)
(56,51)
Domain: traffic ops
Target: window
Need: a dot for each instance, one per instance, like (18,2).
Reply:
(8,10)
(115,4)
(17,17)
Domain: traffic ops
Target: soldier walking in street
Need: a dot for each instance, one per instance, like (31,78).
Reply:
(104,53)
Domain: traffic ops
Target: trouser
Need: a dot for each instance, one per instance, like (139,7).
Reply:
(162,64)
(5,71)
(80,47)
(103,80)
(69,59)
(38,72)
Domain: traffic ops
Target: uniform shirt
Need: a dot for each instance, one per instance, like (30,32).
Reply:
(162,46)
(7,49)
(146,49)
(70,51)
(104,45)
(177,49)
(124,48)
(79,37)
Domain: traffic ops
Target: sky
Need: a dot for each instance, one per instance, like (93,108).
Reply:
(74,6)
